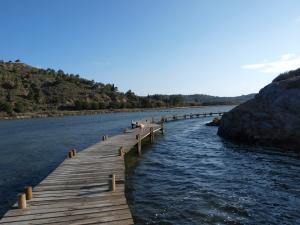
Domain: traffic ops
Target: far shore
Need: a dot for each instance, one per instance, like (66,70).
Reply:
(45,114)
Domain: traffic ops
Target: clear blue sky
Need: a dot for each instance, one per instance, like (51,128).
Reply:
(214,47)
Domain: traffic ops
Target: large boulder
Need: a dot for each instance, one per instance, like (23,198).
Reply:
(271,118)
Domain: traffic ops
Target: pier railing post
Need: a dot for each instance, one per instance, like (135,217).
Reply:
(74,152)
(121,151)
(28,192)
(70,154)
(105,137)
(112,186)
(139,145)
(162,128)
(22,201)
(151,135)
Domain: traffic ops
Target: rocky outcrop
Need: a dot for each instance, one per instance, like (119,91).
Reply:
(271,118)
(215,122)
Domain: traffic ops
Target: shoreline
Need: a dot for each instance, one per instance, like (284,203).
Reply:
(46,114)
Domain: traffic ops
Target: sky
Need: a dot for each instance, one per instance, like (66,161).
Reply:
(224,48)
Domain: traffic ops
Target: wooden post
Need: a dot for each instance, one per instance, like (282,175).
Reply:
(121,151)
(74,152)
(162,128)
(22,201)
(113,183)
(70,154)
(139,145)
(105,137)
(151,135)
(28,192)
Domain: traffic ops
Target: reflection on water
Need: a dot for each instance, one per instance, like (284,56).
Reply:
(192,176)
(30,149)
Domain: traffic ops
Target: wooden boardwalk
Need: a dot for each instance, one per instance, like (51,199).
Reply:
(88,188)
(78,191)
(175,117)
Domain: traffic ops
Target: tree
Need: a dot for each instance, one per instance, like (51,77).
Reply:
(102,105)
(145,102)
(19,107)
(81,104)
(60,72)
(6,107)
(114,105)
(176,100)
(94,105)
(130,95)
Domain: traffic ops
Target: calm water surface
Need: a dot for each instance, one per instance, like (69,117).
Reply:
(192,176)
(30,149)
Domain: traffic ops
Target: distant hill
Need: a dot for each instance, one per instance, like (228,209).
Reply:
(24,88)
(215,100)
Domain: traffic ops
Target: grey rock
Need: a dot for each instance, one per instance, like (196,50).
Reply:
(215,122)
(272,118)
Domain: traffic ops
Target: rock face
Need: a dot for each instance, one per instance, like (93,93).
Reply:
(215,122)
(272,118)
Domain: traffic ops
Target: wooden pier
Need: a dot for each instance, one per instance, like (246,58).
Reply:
(89,186)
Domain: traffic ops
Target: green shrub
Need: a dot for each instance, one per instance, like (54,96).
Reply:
(81,104)
(102,105)
(94,105)
(19,107)
(6,107)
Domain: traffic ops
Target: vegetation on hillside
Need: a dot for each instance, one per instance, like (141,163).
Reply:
(24,88)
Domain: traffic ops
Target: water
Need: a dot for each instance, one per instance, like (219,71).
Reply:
(30,149)
(192,176)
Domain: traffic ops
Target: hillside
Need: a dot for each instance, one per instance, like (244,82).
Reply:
(24,88)
(215,100)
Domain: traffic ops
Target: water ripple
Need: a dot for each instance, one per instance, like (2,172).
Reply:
(192,176)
